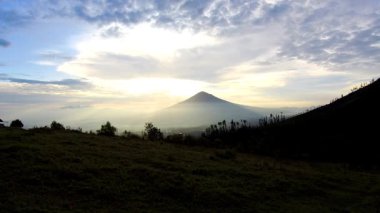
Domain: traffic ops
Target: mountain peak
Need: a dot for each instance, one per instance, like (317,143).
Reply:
(202,97)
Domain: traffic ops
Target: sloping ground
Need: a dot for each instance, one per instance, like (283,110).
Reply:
(345,130)
(44,171)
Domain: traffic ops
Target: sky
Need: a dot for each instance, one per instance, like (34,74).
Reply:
(83,62)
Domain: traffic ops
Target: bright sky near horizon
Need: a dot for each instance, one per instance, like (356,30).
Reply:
(74,60)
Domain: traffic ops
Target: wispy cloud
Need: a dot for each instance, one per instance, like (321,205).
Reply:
(52,58)
(72,83)
(4,43)
(77,106)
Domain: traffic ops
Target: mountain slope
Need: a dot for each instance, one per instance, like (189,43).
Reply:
(346,129)
(65,171)
(202,109)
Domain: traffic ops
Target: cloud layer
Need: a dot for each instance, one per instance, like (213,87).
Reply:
(313,31)
(134,52)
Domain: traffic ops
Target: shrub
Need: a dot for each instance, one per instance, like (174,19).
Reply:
(129,135)
(16,124)
(107,130)
(56,126)
(152,132)
(175,138)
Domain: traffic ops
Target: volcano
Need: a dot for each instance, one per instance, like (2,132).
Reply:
(203,109)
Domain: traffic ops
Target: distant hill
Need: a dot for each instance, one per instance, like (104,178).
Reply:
(201,110)
(346,129)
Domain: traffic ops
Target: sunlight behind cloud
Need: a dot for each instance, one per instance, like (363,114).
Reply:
(141,40)
(144,86)
(131,52)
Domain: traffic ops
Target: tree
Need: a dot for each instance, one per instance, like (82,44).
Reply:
(107,130)
(152,132)
(16,124)
(56,126)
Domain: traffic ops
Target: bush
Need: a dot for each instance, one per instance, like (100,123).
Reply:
(129,135)
(152,132)
(175,138)
(107,130)
(56,126)
(16,124)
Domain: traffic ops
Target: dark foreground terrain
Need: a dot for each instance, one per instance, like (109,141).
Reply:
(47,171)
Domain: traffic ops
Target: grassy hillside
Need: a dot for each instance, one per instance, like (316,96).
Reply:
(345,130)
(45,171)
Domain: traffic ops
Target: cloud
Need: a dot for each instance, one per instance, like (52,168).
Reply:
(52,58)
(4,43)
(148,51)
(3,76)
(259,46)
(112,30)
(316,32)
(111,66)
(322,34)
(78,106)
(54,55)
(72,83)
(191,14)
(11,17)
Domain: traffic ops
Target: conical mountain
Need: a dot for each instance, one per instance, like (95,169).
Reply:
(203,97)
(202,109)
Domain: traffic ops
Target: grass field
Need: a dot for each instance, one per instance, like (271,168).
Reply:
(46,171)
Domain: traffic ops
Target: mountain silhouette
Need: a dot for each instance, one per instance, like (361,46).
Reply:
(203,97)
(201,110)
(346,129)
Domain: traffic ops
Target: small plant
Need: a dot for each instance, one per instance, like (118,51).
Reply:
(271,120)
(16,124)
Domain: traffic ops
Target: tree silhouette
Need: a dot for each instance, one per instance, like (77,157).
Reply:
(56,126)
(16,124)
(107,130)
(152,132)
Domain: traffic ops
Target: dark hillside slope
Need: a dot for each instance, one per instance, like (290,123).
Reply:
(347,129)
(64,171)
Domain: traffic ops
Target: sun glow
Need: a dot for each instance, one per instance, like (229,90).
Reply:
(143,86)
(141,40)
